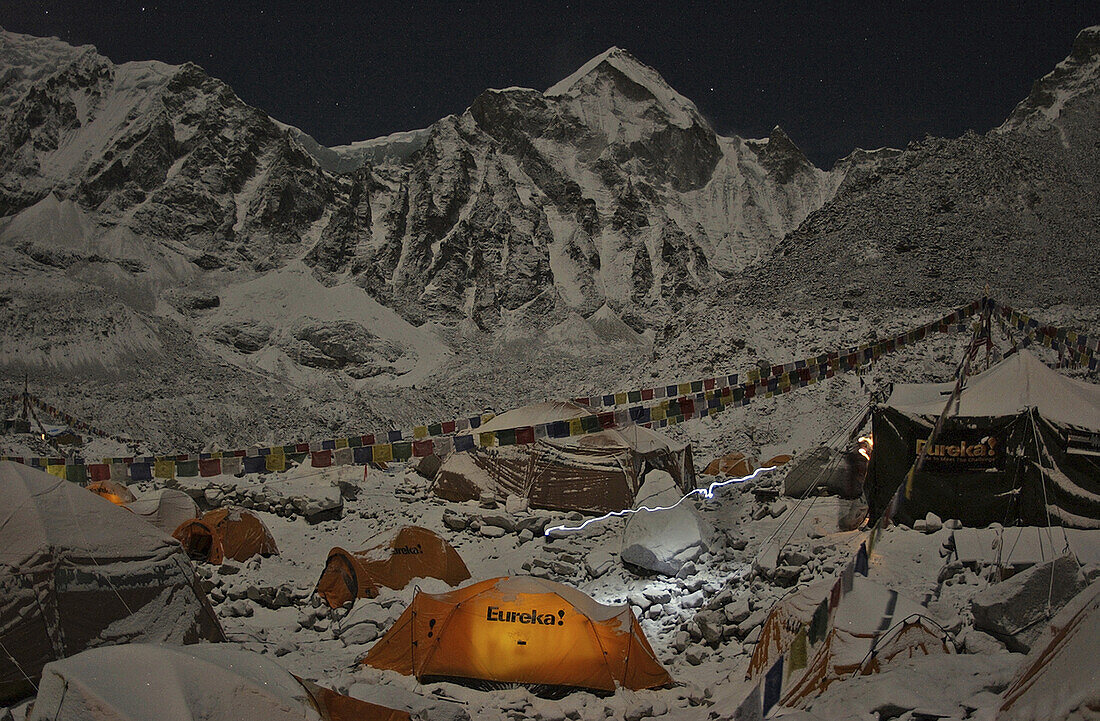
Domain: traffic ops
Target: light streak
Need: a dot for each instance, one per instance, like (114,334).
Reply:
(707,493)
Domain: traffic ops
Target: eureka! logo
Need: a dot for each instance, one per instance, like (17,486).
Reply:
(493,613)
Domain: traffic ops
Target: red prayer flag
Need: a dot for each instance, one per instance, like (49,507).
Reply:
(320,459)
(423,448)
(210,467)
(525,435)
(607,420)
(301,448)
(449,427)
(647,394)
(99,472)
(708,384)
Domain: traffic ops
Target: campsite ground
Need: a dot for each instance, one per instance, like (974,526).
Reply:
(710,677)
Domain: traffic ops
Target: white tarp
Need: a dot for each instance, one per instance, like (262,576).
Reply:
(139,681)
(1025,545)
(1018,382)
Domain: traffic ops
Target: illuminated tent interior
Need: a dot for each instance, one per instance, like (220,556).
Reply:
(222,533)
(393,560)
(218,682)
(113,491)
(519,630)
(732,464)
(593,473)
(77,571)
(1023,449)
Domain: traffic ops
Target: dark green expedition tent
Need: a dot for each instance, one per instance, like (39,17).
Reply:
(1023,448)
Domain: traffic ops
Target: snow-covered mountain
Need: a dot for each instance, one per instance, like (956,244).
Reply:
(158,233)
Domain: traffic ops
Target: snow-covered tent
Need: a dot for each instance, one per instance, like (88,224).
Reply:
(214,682)
(1058,680)
(166,509)
(1024,447)
(78,571)
(596,472)
(226,533)
(866,630)
(392,559)
(520,630)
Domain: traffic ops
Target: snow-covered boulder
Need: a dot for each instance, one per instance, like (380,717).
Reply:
(1012,610)
(663,541)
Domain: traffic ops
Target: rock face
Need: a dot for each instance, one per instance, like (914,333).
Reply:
(933,224)
(665,541)
(1012,611)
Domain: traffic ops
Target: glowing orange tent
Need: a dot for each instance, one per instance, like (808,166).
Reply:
(113,491)
(520,630)
(226,533)
(410,552)
(731,464)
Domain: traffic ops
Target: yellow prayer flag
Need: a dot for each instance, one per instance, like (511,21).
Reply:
(620,398)
(657,413)
(164,469)
(683,389)
(575,427)
(420,432)
(57,469)
(382,453)
(341,443)
(276,462)
(487,439)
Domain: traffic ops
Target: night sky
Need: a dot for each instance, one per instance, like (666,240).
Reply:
(834,75)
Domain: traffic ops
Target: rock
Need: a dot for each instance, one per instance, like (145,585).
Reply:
(598,562)
(737,611)
(974,641)
(358,634)
(637,599)
(920,525)
(455,522)
(655,611)
(284,648)
(487,500)
(686,570)
(760,513)
(953,523)
(753,637)
(526,535)
(777,509)
(696,654)
(492,531)
(239,609)
(932,523)
(795,558)
(710,625)
(638,708)
(681,641)
(1012,610)
(664,542)
(787,575)
(228,568)
(515,504)
(213,496)
(693,600)
(755,620)
(562,568)
(661,595)
(504,522)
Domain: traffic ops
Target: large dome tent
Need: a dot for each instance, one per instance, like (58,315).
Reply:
(78,571)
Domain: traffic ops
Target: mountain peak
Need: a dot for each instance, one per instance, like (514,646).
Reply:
(1073,81)
(682,111)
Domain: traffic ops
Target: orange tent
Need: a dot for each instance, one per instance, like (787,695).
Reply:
(226,533)
(410,552)
(113,491)
(520,630)
(731,464)
(779,460)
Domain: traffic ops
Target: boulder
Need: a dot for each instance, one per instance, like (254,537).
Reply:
(664,541)
(1012,611)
